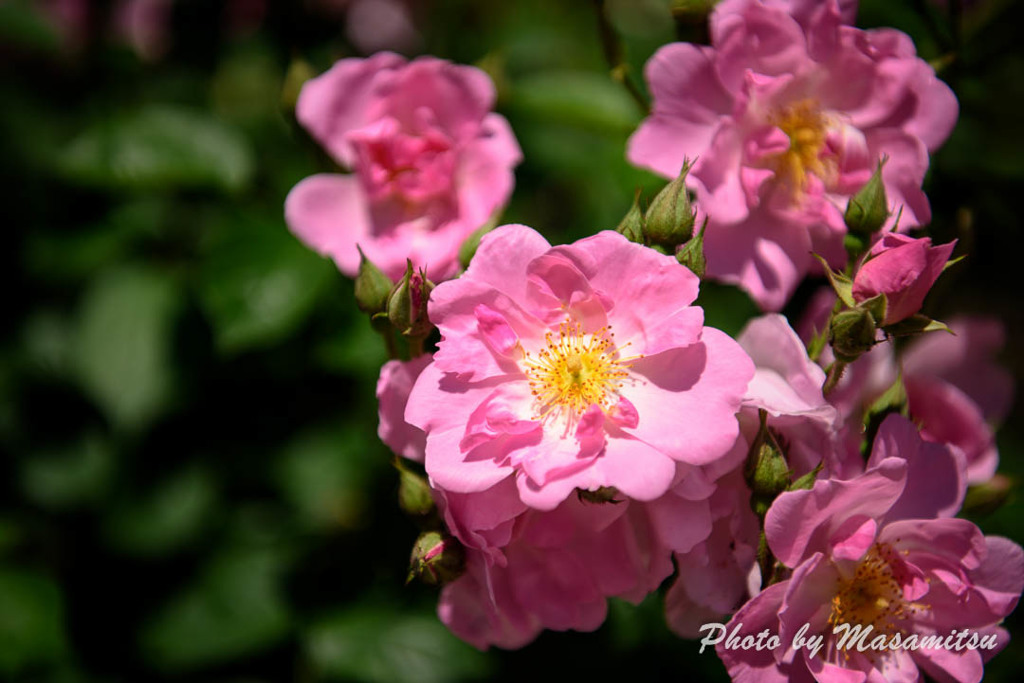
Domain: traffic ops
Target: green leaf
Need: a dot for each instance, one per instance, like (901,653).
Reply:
(122,349)
(583,99)
(166,519)
(234,609)
(31,621)
(376,644)
(71,256)
(952,262)
(840,283)
(916,324)
(70,475)
(159,147)
(22,25)
(257,283)
(326,474)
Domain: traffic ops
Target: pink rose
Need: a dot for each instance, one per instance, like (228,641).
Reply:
(715,576)
(870,552)
(431,162)
(145,25)
(787,117)
(580,366)
(553,570)
(393,387)
(957,393)
(904,270)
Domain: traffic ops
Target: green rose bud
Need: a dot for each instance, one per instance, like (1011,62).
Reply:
(632,225)
(670,218)
(407,305)
(852,333)
(868,210)
(372,286)
(437,558)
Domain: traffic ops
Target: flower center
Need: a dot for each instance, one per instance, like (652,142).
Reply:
(806,127)
(575,370)
(873,596)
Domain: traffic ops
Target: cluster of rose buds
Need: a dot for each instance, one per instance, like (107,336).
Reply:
(569,430)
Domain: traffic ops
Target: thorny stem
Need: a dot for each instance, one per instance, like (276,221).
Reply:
(615,55)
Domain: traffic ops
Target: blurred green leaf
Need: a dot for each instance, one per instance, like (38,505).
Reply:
(69,475)
(257,283)
(47,336)
(11,534)
(375,644)
(247,86)
(326,474)
(22,24)
(355,349)
(31,621)
(159,147)
(123,343)
(584,99)
(234,609)
(166,519)
(73,255)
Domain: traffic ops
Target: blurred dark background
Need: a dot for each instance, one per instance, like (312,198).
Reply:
(191,486)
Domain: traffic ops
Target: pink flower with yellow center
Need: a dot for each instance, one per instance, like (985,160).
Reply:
(580,366)
(787,114)
(879,554)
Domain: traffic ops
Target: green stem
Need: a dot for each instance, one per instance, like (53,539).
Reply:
(835,373)
(615,56)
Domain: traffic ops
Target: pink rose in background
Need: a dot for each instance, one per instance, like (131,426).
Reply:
(431,162)
(904,270)
(396,381)
(579,366)
(870,551)
(957,393)
(145,25)
(70,18)
(787,117)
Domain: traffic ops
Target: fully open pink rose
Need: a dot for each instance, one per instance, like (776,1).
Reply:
(904,270)
(431,162)
(787,116)
(580,366)
(870,552)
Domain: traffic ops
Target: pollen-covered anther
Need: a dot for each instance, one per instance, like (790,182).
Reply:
(575,370)
(873,595)
(806,126)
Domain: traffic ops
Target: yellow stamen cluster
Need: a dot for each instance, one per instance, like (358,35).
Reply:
(873,596)
(575,370)
(806,127)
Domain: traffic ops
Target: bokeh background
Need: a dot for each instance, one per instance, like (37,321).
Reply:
(191,486)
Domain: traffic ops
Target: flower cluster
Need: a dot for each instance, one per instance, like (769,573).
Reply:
(570,430)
